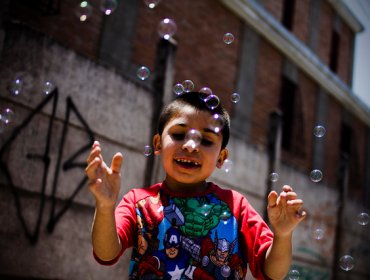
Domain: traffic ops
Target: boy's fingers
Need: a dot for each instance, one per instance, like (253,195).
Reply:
(272,199)
(287,188)
(95,152)
(91,168)
(116,163)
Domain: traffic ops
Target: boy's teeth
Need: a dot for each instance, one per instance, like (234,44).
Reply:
(187,161)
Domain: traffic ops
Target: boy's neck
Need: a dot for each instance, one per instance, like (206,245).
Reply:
(185,188)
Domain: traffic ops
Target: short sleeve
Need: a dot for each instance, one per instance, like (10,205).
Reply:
(256,237)
(125,217)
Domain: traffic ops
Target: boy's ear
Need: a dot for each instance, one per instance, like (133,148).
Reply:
(221,157)
(157,144)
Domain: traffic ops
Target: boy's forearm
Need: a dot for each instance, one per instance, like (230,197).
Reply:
(278,257)
(105,240)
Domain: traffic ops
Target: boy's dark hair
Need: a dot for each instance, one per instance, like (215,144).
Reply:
(195,100)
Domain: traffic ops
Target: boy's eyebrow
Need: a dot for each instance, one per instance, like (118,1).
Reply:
(207,130)
(210,131)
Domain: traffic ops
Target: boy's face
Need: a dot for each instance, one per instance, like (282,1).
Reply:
(184,159)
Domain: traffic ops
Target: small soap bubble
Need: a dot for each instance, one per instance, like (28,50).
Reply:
(293,274)
(147,150)
(316,175)
(151,3)
(178,89)
(274,177)
(108,6)
(143,73)
(225,215)
(47,87)
(227,165)
(167,28)
(217,123)
(7,116)
(319,131)
(228,38)
(346,262)
(16,86)
(84,11)
(188,85)
(212,101)
(363,219)
(206,209)
(318,233)
(194,138)
(235,97)
(204,92)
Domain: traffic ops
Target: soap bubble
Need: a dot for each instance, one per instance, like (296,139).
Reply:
(16,86)
(319,131)
(316,175)
(228,38)
(143,73)
(293,274)
(217,123)
(225,216)
(7,116)
(194,138)
(204,92)
(274,177)
(363,219)
(178,89)
(151,3)
(167,28)
(347,262)
(235,97)
(227,165)
(47,87)
(147,150)
(84,10)
(212,101)
(318,233)
(206,209)
(108,6)
(188,85)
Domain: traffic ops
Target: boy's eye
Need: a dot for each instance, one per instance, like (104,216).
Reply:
(178,136)
(206,142)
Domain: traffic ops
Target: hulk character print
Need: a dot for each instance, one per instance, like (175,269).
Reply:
(185,238)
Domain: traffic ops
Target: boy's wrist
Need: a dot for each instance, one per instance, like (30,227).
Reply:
(105,209)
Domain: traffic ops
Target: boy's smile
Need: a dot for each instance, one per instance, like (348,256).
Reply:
(190,149)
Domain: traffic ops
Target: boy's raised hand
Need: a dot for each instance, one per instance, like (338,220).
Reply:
(104,181)
(284,211)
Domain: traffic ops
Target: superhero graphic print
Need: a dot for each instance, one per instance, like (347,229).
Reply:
(186,238)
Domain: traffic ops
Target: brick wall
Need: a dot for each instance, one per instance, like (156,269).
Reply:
(345,62)
(64,26)
(326,26)
(301,20)
(201,56)
(267,93)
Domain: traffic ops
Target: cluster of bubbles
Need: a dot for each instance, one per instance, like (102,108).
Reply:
(6,118)
(346,263)
(15,88)
(85,9)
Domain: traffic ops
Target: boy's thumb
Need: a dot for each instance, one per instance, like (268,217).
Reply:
(117,163)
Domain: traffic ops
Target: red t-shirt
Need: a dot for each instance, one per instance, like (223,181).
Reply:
(213,234)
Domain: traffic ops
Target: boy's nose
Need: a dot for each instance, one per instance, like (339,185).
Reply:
(192,140)
(190,145)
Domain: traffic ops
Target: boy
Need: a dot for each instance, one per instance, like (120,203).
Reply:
(186,227)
